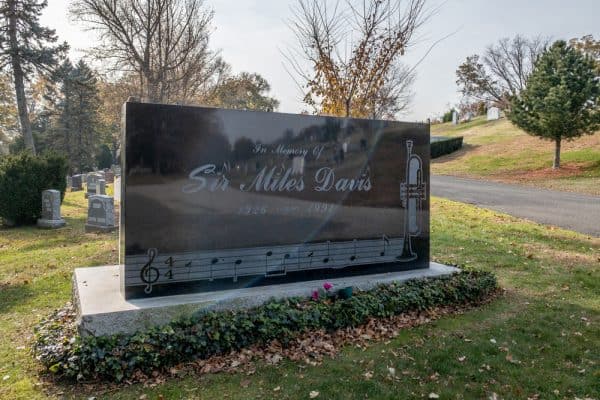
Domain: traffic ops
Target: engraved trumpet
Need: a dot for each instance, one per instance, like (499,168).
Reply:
(412,194)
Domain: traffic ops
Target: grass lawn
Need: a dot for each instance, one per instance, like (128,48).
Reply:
(497,150)
(541,338)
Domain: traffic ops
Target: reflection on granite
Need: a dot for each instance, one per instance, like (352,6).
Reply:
(208,181)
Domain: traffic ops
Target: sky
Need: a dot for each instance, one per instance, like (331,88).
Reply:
(252,35)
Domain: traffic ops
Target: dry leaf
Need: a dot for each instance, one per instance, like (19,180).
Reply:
(277,389)
(434,395)
(368,374)
(313,394)
(462,358)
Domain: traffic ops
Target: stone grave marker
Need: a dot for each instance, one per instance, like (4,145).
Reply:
(101,214)
(101,186)
(69,181)
(454,118)
(109,176)
(90,183)
(493,113)
(51,210)
(117,188)
(232,208)
(295,205)
(76,183)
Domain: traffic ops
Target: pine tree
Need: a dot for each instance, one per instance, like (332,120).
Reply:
(26,46)
(75,128)
(561,99)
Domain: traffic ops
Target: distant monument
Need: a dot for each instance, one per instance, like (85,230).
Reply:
(454,117)
(76,183)
(101,186)
(51,210)
(101,214)
(493,113)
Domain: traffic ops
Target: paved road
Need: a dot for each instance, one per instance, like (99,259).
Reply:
(572,211)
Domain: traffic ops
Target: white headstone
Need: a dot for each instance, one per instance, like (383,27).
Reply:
(101,214)
(493,113)
(454,118)
(117,188)
(51,210)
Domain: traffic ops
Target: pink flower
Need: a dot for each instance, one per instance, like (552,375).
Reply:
(327,285)
(315,295)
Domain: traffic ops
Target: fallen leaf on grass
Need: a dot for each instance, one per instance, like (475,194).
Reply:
(462,358)
(313,394)
(368,375)
(511,360)
(434,395)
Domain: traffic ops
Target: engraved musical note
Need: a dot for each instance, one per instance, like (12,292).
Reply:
(149,274)
(386,242)
(235,265)
(353,256)
(188,265)
(310,256)
(326,259)
(281,271)
(212,262)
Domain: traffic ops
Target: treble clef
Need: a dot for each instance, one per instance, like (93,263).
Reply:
(149,274)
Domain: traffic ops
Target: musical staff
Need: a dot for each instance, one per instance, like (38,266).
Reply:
(268,262)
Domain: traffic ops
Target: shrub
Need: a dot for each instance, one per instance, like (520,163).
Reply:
(118,357)
(447,117)
(446,146)
(104,158)
(23,177)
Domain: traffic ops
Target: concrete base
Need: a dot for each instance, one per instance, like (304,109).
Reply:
(50,223)
(95,228)
(102,310)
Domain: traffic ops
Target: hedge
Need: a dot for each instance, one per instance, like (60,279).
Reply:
(23,177)
(446,146)
(118,357)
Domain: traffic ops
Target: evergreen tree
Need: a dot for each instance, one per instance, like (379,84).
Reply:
(561,99)
(75,128)
(25,45)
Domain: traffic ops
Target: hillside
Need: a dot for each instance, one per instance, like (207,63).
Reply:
(499,151)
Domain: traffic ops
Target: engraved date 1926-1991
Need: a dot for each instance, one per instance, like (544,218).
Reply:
(262,209)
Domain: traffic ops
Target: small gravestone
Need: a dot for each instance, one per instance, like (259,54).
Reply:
(51,210)
(101,186)
(454,118)
(493,113)
(76,183)
(69,181)
(117,188)
(90,183)
(109,176)
(101,214)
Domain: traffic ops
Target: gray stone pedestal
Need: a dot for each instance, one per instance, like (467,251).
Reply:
(51,210)
(102,310)
(101,214)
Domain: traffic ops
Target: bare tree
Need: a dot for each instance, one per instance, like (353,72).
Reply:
(502,71)
(353,53)
(163,42)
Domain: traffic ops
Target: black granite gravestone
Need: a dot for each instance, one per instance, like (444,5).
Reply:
(215,199)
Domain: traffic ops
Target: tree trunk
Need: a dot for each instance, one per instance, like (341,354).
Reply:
(18,76)
(556,164)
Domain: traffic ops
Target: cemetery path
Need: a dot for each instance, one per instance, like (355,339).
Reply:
(574,211)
